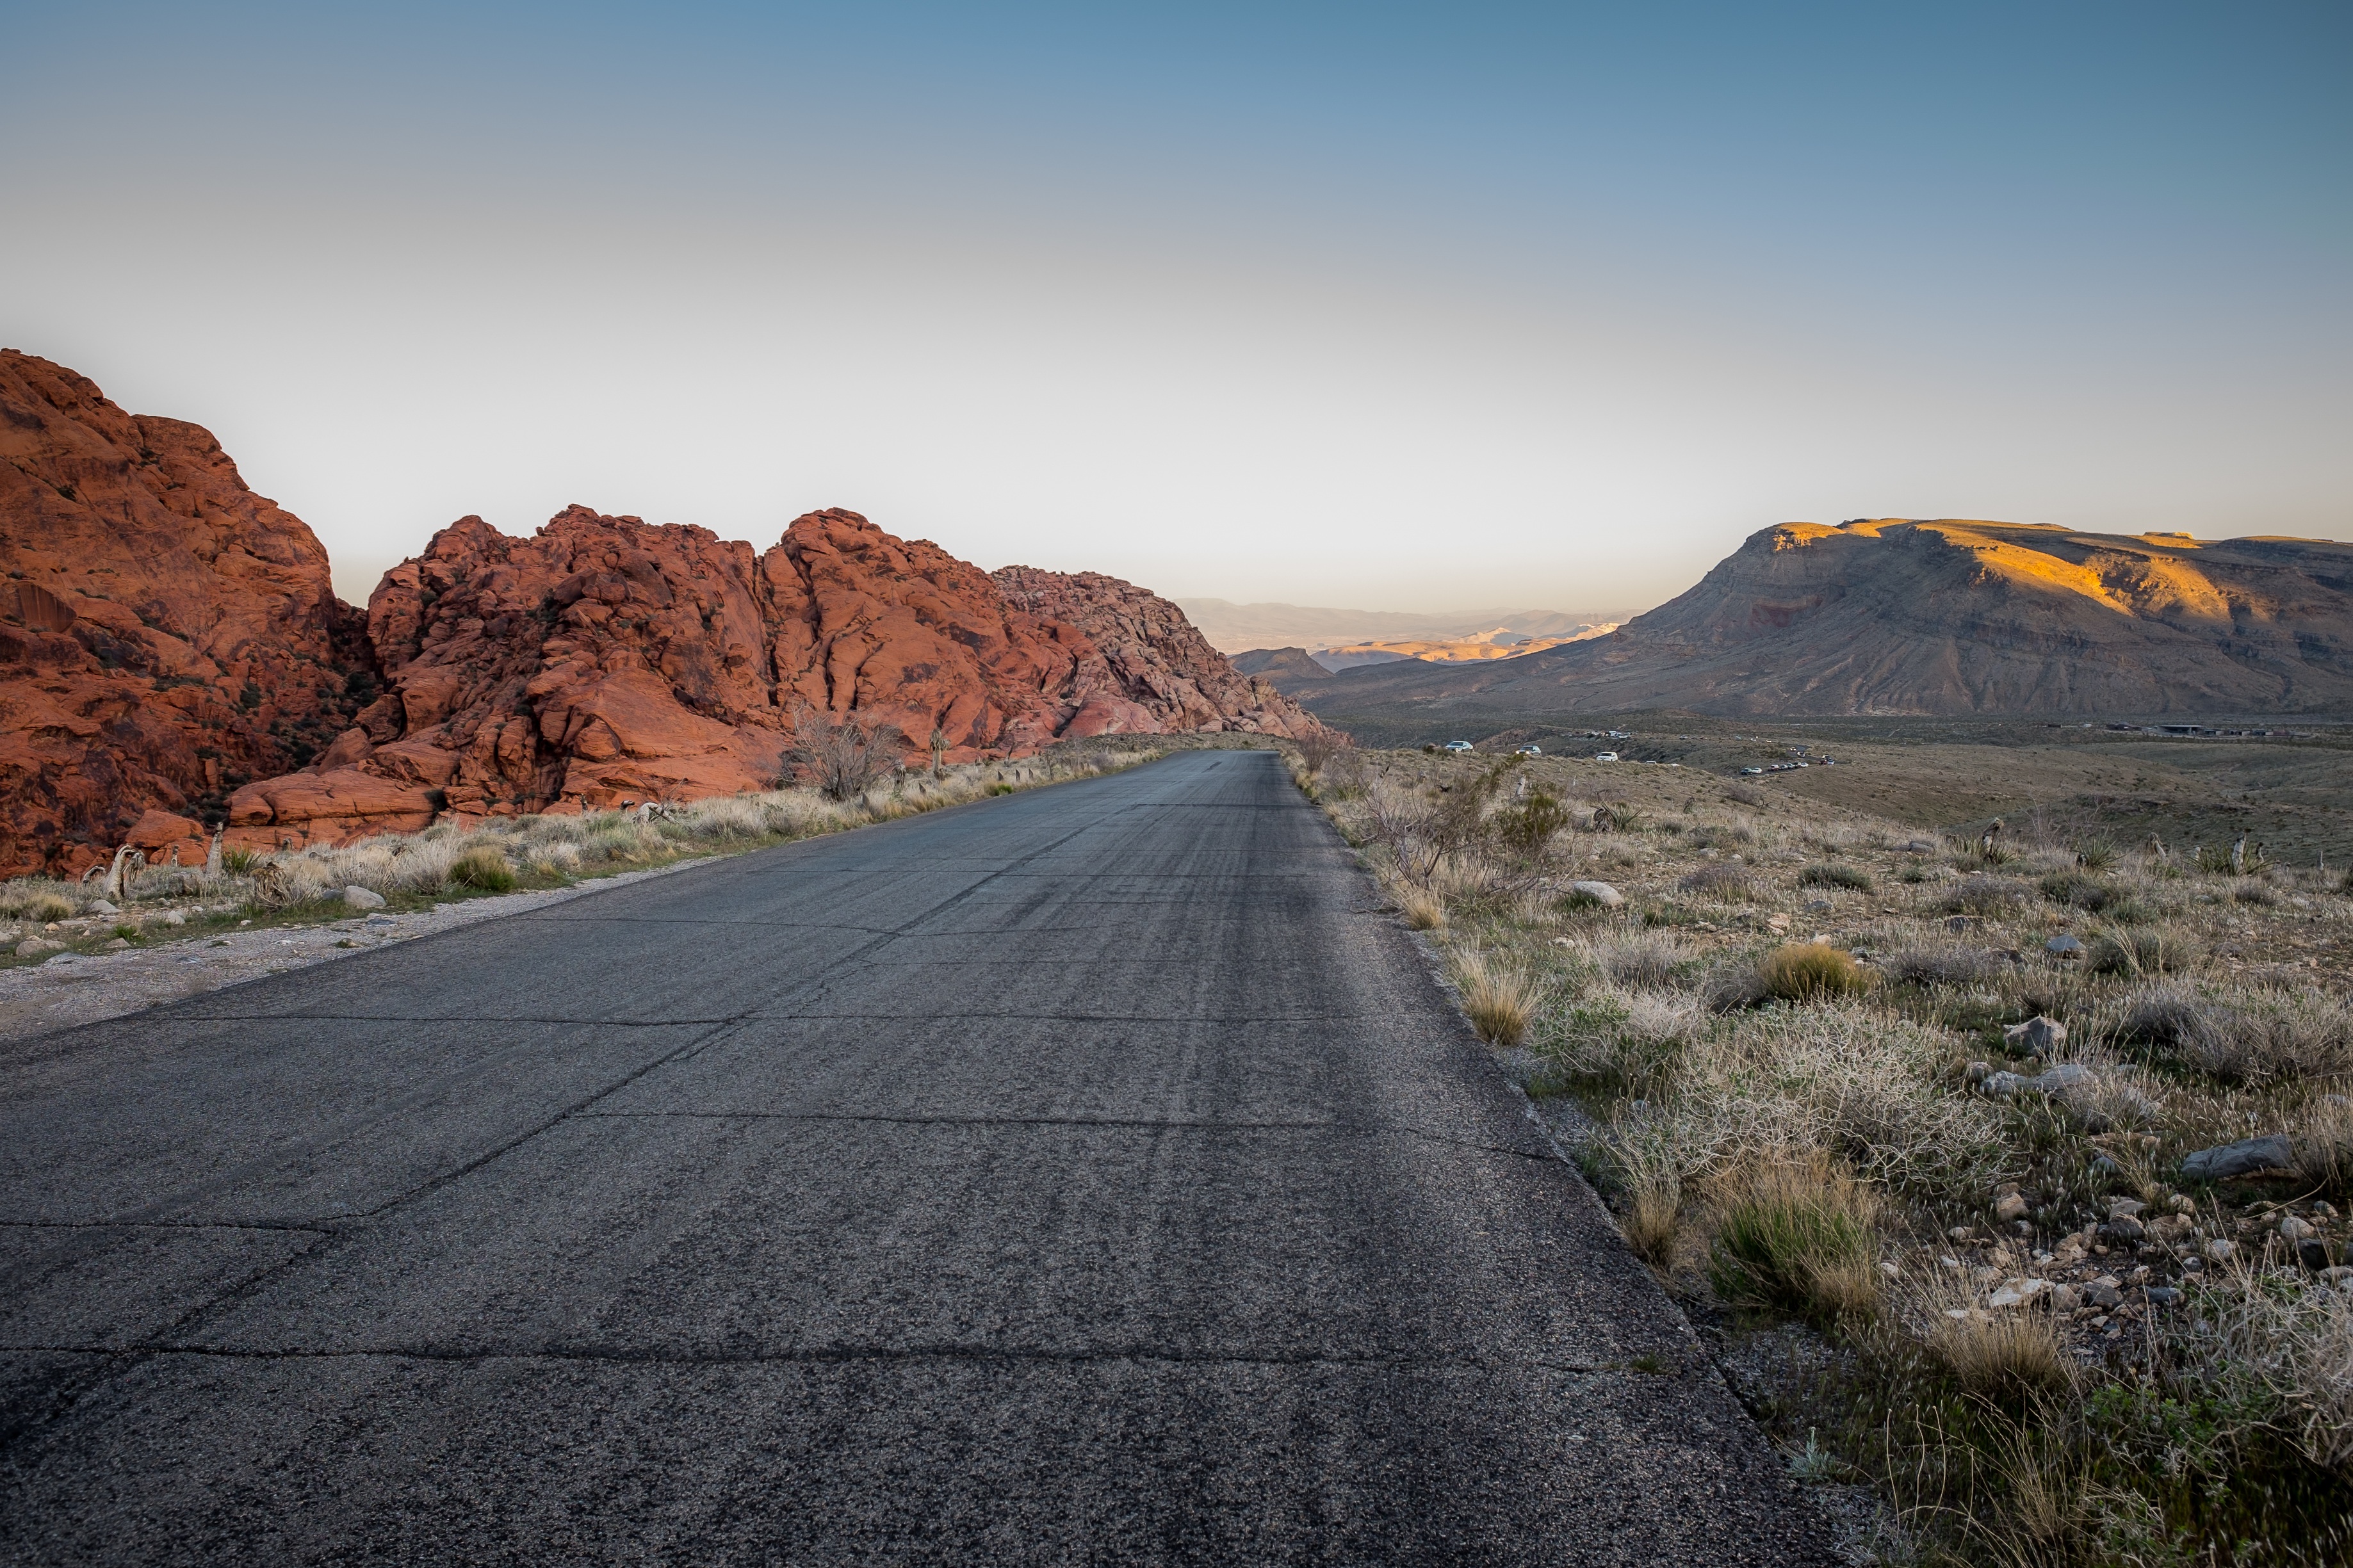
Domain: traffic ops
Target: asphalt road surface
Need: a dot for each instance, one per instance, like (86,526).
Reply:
(1095,1175)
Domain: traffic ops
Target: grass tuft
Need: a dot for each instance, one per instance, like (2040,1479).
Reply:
(1499,997)
(1810,971)
(485,868)
(1798,1235)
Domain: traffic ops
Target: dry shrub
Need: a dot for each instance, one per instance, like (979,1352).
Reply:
(2322,1141)
(1811,972)
(2246,1037)
(1797,1234)
(1981,895)
(483,867)
(1641,957)
(2141,951)
(1943,966)
(1499,996)
(1724,884)
(39,905)
(1831,874)
(2297,1341)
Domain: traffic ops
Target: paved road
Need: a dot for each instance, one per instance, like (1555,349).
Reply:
(1094,1174)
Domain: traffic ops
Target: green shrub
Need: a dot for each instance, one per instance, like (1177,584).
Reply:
(485,868)
(1526,825)
(2095,853)
(240,862)
(1810,971)
(1830,874)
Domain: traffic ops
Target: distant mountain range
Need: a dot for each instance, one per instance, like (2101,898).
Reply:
(1234,628)
(1940,617)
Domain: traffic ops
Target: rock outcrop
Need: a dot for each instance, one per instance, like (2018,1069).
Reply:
(171,657)
(165,634)
(606,658)
(1162,664)
(1897,616)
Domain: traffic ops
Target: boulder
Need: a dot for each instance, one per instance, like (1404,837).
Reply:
(363,899)
(1601,893)
(39,946)
(2063,946)
(2038,1037)
(2240,1159)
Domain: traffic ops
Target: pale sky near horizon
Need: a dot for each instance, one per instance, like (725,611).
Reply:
(1408,308)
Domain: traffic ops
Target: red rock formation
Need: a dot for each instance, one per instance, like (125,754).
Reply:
(606,658)
(165,634)
(1161,663)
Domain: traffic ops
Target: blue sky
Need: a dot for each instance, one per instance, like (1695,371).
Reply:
(1400,307)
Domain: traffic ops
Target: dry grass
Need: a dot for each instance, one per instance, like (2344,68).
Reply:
(2124,1429)
(1799,1235)
(1422,910)
(1809,972)
(1499,996)
(2003,1353)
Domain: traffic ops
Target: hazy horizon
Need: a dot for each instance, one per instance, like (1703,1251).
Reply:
(1338,306)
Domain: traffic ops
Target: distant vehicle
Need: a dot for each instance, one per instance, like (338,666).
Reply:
(1457,745)
(1530,750)
(1621,734)
(1605,757)
(1752,771)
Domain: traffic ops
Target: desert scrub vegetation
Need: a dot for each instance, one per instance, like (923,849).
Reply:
(459,857)
(2043,1146)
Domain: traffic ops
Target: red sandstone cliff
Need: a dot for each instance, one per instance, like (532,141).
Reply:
(172,656)
(1161,663)
(165,634)
(606,658)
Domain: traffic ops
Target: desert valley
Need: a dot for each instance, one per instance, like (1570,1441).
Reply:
(2012,858)
(1511,785)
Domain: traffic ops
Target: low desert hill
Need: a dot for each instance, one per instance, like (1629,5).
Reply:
(172,657)
(1902,617)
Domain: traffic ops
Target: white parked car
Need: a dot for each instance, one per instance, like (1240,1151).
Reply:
(1457,745)
(1605,757)
(1530,750)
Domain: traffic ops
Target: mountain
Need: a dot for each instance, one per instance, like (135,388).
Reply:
(172,657)
(165,634)
(1941,617)
(1233,627)
(1162,662)
(1291,669)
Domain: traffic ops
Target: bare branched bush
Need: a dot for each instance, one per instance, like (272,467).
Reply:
(844,758)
